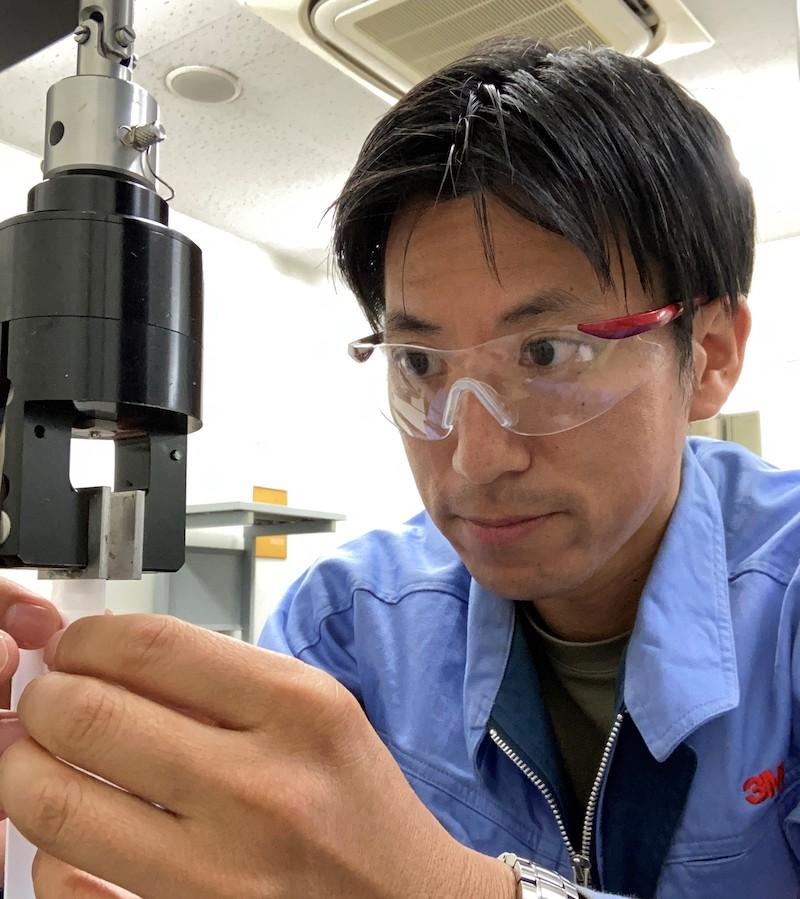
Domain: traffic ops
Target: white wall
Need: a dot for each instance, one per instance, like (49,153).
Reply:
(770,381)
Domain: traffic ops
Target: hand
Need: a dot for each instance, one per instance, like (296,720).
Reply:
(29,622)
(269,781)
(26,622)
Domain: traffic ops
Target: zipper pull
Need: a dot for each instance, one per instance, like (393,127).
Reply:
(582,869)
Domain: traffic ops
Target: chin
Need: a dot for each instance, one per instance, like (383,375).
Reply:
(525,585)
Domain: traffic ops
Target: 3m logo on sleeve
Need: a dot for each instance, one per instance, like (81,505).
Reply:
(764,786)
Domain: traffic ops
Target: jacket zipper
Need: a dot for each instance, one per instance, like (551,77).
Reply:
(581,862)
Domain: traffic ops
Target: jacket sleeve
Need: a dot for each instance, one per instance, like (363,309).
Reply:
(314,623)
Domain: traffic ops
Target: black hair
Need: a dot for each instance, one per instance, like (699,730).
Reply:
(597,147)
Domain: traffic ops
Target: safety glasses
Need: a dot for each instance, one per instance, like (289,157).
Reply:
(536,382)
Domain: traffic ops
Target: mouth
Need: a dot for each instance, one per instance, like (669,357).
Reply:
(504,531)
(500,522)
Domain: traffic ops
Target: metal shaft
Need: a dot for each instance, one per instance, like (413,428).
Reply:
(100,120)
(105,36)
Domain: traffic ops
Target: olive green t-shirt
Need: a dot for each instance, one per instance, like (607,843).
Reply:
(579,687)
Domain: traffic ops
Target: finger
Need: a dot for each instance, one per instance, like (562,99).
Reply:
(11,730)
(89,824)
(153,752)
(30,619)
(54,879)
(9,659)
(181,665)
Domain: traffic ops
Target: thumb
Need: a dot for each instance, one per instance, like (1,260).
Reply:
(30,619)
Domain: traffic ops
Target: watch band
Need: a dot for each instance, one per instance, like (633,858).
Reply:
(538,883)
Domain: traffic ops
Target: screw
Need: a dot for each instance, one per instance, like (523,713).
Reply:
(176,455)
(125,36)
(141,137)
(94,434)
(82,34)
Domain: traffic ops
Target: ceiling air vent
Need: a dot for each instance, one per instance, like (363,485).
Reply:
(390,45)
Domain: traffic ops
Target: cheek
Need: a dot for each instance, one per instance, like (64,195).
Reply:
(628,455)
(430,461)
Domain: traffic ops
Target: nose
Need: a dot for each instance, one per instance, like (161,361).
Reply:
(484,450)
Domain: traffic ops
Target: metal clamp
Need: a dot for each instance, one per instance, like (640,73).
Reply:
(105,37)
(116,537)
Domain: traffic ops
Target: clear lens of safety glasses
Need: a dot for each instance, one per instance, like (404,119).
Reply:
(534,383)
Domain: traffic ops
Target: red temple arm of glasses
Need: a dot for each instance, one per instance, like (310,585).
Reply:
(361,353)
(630,325)
(610,329)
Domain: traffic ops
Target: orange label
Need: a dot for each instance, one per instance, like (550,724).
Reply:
(271,547)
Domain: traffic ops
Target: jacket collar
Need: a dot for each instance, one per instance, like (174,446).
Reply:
(490,630)
(680,666)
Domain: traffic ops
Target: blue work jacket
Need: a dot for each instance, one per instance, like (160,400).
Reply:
(701,794)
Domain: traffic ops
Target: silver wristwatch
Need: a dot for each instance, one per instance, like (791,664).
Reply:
(538,883)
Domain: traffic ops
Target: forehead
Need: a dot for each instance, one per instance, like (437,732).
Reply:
(436,268)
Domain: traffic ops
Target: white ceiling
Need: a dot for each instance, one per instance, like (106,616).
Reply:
(267,166)
(749,80)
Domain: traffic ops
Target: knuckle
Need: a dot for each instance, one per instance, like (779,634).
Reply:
(330,715)
(54,811)
(95,716)
(152,637)
(336,703)
(318,689)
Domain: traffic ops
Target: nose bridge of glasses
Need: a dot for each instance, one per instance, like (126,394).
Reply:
(485,394)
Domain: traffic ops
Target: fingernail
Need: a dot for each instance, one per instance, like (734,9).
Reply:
(5,650)
(11,730)
(52,646)
(31,625)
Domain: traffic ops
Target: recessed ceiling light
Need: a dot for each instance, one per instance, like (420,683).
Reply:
(204,84)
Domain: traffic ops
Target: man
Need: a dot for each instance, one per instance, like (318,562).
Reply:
(584,652)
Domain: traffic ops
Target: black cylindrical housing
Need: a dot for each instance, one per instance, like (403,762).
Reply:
(101,312)
(120,299)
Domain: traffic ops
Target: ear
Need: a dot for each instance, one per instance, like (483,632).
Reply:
(719,340)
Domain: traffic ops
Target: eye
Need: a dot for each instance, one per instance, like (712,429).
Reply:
(552,352)
(416,363)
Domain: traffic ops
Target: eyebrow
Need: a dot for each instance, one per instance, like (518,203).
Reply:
(409,324)
(552,299)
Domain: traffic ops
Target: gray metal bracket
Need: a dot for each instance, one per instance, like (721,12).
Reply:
(216,586)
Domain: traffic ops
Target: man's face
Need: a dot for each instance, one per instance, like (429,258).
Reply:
(532,517)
